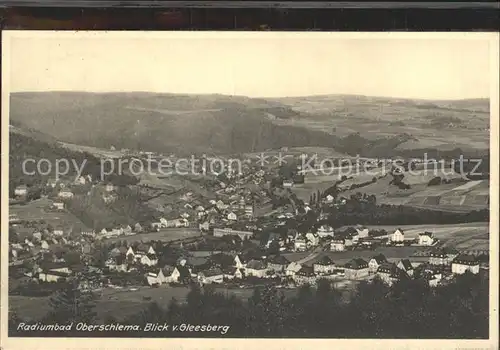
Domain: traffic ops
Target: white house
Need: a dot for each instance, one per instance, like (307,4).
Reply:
(376,262)
(337,245)
(398,236)
(287,184)
(293,268)
(406,265)
(21,190)
(155,278)
(58,205)
(425,238)
(464,263)
(80,180)
(211,276)
(362,232)
(312,239)
(58,232)
(66,194)
(324,266)
(328,199)
(53,275)
(356,269)
(232,216)
(239,262)
(170,274)
(44,245)
(256,268)
(305,276)
(300,243)
(325,231)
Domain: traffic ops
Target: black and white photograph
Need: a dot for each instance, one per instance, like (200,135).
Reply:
(249,185)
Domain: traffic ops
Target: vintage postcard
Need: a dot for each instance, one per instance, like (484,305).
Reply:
(197,189)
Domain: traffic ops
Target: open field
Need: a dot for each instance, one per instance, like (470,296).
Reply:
(120,303)
(393,254)
(464,237)
(39,210)
(165,235)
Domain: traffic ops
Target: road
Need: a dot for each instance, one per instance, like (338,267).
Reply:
(314,254)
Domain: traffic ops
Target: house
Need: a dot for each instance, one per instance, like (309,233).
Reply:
(390,273)
(328,199)
(44,245)
(220,232)
(240,262)
(170,274)
(138,228)
(58,205)
(232,272)
(337,245)
(52,183)
(257,268)
(65,194)
(278,264)
(406,266)
(376,262)
(155,278)
(21,190)
(287,183)
(58,232)
(37,236)
(349,240)
(80,180)
(312,239)
(398,236)
(325,231)
(442,256)
(273,237)
(300,243)
(324,266)
(148,259)
(362,232)
(425,238)
(305,276)
(118,263)
(204,226)
(293,268)
(232,216)
(356,269)
(464,263)
(210,276)
(54,274)
(127,230)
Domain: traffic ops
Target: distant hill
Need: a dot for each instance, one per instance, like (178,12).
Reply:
(162,122)
(187,124)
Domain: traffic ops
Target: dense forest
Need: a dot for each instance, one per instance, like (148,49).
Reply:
(408,309)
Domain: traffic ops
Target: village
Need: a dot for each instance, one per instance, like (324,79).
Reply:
(243,237)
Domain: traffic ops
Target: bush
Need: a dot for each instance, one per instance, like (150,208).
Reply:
(435,181)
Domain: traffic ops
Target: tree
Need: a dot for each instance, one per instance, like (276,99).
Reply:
(72,303)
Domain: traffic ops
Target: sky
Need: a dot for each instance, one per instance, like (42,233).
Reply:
(255,65)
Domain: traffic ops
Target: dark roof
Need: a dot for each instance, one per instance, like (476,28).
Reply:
(406,264)
(387,268)
(380,258)
(426,233)
(167,270)
(466,259)
(256,265)
(231,270)
(356,264)
(325,260)
(279,260)
(306,271)
(212,272)
(184,272)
